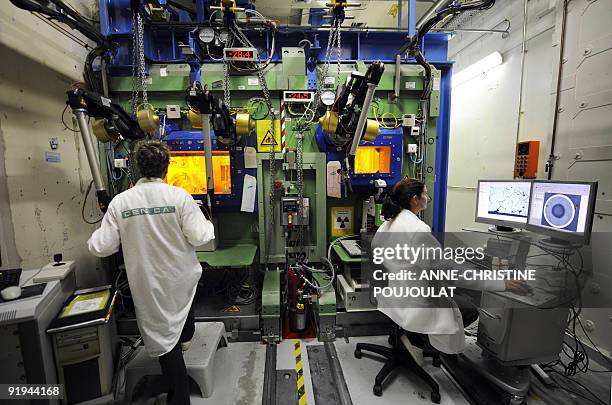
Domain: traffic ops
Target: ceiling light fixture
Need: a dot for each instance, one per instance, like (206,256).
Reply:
(478,68)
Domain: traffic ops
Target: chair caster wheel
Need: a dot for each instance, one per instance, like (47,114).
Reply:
(514,400)
(377,390)
(357,353)
(435,397)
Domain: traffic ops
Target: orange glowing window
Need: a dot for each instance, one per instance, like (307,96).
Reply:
(373,159)
(221,173)
(188,170)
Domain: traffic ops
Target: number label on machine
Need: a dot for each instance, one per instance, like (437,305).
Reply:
(240,54)
(298,96)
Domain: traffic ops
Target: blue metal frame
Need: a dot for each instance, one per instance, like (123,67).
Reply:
(392,137)
(442,151)
(162,43)
(411,18)
(161,47)
(358,45)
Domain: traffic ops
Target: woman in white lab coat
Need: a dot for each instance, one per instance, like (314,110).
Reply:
(439,318)
(158,226)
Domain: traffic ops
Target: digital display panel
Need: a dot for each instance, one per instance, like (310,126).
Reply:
(240,54)
(298,96)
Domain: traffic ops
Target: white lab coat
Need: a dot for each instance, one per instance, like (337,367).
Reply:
(443,323)
(158,226)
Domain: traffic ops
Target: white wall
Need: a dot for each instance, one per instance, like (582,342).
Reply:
(484,112)
(30,36)
(585,129)
(43,216)
(484,116)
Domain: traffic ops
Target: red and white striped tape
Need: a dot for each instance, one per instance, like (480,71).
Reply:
(283,133)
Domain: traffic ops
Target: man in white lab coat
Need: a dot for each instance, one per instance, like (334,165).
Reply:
(158,227)
(442,320)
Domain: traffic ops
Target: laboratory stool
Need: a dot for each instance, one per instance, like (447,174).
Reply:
(199,360)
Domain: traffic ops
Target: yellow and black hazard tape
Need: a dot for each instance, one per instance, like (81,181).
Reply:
(301,388)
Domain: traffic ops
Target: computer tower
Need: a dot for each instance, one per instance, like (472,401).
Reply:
(519,334)
(84,361)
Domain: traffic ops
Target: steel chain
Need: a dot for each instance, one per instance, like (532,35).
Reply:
(141,62)
(226,75)
(300,186)
(262,81)
(226,93)
(339,52)
(135,76)
(334,32)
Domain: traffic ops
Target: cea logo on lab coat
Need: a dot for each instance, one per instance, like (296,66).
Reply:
(169,209)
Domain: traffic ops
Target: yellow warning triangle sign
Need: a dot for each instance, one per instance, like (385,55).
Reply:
(268,139)
(232,308)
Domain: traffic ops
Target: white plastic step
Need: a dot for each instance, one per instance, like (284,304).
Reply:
(199,360)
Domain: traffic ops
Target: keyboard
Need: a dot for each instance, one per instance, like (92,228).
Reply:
(351,246)
(9,278)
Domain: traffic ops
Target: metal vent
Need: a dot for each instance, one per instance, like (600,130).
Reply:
(8,315)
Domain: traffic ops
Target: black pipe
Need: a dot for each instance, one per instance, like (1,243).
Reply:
(551,156)
(63,6)
(415,41)
(181,7)
(84,26)
(418,56)
(78,24)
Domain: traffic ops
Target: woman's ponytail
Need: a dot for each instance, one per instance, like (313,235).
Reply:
(400,196)
(390,208)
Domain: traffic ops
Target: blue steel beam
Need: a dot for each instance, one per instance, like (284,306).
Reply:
(411,18)
(116,21)
(362,46)
(442,151)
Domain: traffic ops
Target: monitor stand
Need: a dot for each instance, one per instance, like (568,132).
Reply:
(496,383)
(500,229)
(559,244)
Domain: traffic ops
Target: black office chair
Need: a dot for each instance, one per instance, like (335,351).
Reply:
(397,355)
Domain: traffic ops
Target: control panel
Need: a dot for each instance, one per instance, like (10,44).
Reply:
(290,212)
(527,155)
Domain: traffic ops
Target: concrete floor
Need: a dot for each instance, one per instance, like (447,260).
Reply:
(239,377)
(240,373)
(400,387)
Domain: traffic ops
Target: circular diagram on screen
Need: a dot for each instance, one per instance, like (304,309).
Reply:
(559,211)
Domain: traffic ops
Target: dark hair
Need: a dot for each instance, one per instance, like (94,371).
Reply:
(400,196)
(152,158)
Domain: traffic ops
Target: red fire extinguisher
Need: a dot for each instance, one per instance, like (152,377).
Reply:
(296,304)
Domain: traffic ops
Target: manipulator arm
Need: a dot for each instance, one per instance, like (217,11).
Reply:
(112,122)
(347,121)
(202,101)
(117,123)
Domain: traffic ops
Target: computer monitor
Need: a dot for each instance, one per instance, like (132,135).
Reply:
(503,203)
(562,210)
